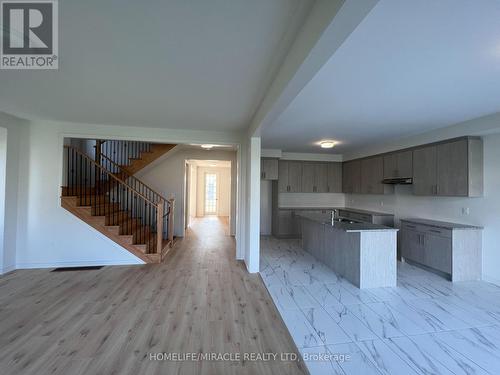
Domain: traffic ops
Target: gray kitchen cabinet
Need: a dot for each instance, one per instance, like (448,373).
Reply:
(453,249)
(453,168)
(308,172)
(351,177)
(412,245)
(334,177)
(398,165)
(372,174)
(295,176)
(269,169)
(321,178)
(283,176)
(425,171)
(289,176)
(314,177)
(287,224)
(437,252)
(460,168)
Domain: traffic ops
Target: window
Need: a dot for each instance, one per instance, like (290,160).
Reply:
(210,194)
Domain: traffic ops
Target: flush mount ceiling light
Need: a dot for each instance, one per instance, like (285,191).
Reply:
(207,147)
(213,165)
(327,144)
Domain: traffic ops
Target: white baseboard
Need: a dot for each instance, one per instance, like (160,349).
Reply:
(7,269)
(78,264)
(492,280)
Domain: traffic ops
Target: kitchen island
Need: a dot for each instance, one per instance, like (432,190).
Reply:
(362,253)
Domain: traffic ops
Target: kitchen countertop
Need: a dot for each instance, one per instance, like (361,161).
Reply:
(346,226)
(442,224)
(356,210)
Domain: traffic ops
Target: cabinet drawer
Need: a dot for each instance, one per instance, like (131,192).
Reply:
(438,231)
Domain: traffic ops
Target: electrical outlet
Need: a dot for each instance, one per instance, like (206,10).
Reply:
(465,211)
(381,203)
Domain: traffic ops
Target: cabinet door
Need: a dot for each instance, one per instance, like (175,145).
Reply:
(321,178)
(412,245)
(269,169)
(391,166)
(372,173)
(452,168)
(283,176)
(346,178)
(366,176)
(425,171)
(438,252)
(404,164)
(334,182)
(307,178)
(285,223)
(356,176)
(294,176)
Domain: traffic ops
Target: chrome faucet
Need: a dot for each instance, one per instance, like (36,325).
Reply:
(333,216)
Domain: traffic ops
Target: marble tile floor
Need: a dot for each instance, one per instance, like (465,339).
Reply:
(425,325)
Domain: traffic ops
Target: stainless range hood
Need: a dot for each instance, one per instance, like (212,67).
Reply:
(398,181)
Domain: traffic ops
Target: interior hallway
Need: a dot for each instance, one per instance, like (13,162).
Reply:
(109,320)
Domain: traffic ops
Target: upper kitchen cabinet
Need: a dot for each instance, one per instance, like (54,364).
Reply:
(372,174)
(425,171)
(289,176)
(334,178)
(314,177)
(269,169)
(351,177)
(398,165)
(451,168)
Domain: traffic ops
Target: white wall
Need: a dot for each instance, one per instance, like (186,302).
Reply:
(48,235)
(266,207)
(252,225)
(17,132)
(484,211)
(166,176)
(193,185)
(223,190)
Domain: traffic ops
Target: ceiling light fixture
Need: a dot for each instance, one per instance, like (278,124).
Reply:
(327,144)
(207,147)
(213,165)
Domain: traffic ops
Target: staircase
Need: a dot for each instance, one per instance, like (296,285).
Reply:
(105,194)
(131,156)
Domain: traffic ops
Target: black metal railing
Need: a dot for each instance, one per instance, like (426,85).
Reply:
(142,214)
(121,152)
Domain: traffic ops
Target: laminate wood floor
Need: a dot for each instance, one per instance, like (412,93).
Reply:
(110,321)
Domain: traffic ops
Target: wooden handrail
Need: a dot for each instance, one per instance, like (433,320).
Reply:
(131,176)
(110,174)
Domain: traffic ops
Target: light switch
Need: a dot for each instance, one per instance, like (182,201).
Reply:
(465,211)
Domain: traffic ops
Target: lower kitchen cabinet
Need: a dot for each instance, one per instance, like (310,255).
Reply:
(286,224)
(453,249)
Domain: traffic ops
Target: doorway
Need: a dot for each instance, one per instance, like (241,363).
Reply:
(209,193)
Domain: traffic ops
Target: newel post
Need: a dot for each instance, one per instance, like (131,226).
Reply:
(159,226)
(171,220)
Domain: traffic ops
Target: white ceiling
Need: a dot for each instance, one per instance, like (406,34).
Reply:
(409,67)
(178,64)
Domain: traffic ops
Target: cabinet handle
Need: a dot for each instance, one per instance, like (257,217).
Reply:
(411,226)
(434,231)
(264,174)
